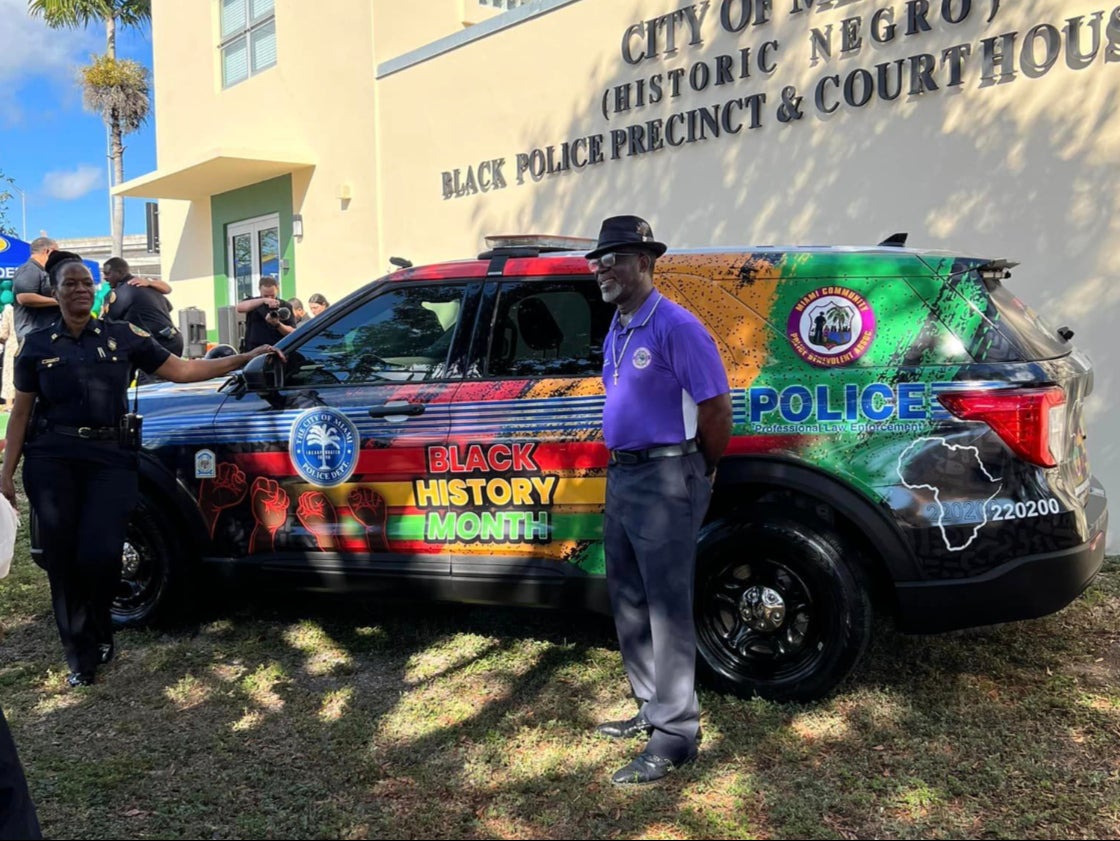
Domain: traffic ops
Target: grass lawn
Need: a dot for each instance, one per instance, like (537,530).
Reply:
(309,717)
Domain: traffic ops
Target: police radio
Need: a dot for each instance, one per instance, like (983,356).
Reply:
(131,423)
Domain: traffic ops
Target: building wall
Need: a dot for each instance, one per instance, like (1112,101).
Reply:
(1023,165)
(1017,159)
(316,104)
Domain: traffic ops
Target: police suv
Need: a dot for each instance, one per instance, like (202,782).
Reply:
(908,438)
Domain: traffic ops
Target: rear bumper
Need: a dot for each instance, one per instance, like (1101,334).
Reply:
(1025,588)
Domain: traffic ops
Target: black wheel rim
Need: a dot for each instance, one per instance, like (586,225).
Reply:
(743,647)
(141,578)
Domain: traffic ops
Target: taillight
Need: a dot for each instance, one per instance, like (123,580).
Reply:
(1031,421)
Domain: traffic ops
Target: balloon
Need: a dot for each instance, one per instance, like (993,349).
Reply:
(99,297)
(6,297)
(6,283)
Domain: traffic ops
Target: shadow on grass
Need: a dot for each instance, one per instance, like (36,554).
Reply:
(318,716)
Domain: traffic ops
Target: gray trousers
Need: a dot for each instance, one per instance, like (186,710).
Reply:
(653,513)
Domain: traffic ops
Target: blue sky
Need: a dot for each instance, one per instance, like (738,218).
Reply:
(53,148)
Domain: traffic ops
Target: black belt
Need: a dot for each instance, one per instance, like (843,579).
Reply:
(92,433)
(638,456)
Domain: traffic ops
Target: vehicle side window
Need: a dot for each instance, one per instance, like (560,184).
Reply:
(401,335)
(548,329)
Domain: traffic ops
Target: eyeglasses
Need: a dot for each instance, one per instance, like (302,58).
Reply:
(608,260)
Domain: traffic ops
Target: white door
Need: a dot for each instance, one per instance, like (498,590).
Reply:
(253,247)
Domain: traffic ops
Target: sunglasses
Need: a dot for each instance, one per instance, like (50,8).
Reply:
(609,260)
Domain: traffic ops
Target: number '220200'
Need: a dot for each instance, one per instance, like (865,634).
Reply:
(970,510)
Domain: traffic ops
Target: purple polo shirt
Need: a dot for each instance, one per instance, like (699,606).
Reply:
(666,363)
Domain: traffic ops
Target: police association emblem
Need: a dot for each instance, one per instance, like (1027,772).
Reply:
(831,326)
(324,446)
(205,465)
(641,358)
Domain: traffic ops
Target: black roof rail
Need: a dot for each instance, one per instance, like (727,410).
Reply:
(895,241)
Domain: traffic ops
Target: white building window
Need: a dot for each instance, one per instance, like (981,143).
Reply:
(248,39)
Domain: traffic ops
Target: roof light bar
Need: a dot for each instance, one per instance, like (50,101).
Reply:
(544,242)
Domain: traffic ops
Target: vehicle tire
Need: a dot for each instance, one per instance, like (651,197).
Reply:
(782,610)
(153,577)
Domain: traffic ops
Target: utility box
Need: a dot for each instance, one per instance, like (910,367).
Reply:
(231,326)
(192,324)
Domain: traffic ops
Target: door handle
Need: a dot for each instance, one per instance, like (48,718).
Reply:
(397,408)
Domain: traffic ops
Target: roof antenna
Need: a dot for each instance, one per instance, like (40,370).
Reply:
(895,241)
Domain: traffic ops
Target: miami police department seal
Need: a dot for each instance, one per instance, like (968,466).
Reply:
(324,446)
(831,326)
(642,357)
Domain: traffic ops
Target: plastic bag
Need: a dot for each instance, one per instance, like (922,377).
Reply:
(9,524)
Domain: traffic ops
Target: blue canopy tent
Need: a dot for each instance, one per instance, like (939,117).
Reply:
(15,252)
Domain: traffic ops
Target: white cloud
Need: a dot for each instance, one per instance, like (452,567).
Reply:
(67,186)
(32,49)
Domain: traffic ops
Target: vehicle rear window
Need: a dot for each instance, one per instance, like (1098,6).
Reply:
(1021,324)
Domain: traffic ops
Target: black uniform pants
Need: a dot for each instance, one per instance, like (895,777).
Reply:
(83,509)
(17,812)
(654,511)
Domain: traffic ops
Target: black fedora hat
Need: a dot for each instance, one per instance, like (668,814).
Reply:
(623,231)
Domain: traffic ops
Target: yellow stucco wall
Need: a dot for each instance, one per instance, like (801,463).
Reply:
(1026,168)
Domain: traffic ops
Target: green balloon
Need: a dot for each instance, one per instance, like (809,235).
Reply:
(6,297)
(6,283)
(99,297)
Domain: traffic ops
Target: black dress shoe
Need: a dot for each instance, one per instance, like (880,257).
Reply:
(636,726)
(648,768)
(80,679)
(105,652)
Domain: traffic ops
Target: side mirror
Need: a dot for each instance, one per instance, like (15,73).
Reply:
(263,373)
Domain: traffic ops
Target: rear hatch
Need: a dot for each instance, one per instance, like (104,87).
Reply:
(1038,341)
(1040,413)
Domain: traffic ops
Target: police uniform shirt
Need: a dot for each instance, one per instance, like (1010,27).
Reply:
(82,381)
(666,363)
(31,277)
(258,331)
(143,306)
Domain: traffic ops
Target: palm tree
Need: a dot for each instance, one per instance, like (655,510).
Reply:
(5,197)
(118,90)
(322,434)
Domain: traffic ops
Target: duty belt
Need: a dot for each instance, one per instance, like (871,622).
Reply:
(639,456)
(92,433)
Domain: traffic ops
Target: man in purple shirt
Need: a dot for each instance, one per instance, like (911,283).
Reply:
(666,421)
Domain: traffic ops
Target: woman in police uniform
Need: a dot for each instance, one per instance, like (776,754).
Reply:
(81,468)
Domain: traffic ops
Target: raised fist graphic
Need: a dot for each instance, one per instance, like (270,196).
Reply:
(224,491)
(370,510)
(270,509)
(318,515)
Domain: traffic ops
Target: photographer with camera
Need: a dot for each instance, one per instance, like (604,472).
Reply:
(268,319)
(79,447)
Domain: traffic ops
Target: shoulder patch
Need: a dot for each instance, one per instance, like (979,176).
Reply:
(139,331)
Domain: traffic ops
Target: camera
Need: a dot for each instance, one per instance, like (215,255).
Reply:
(130,436)
(281,313)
